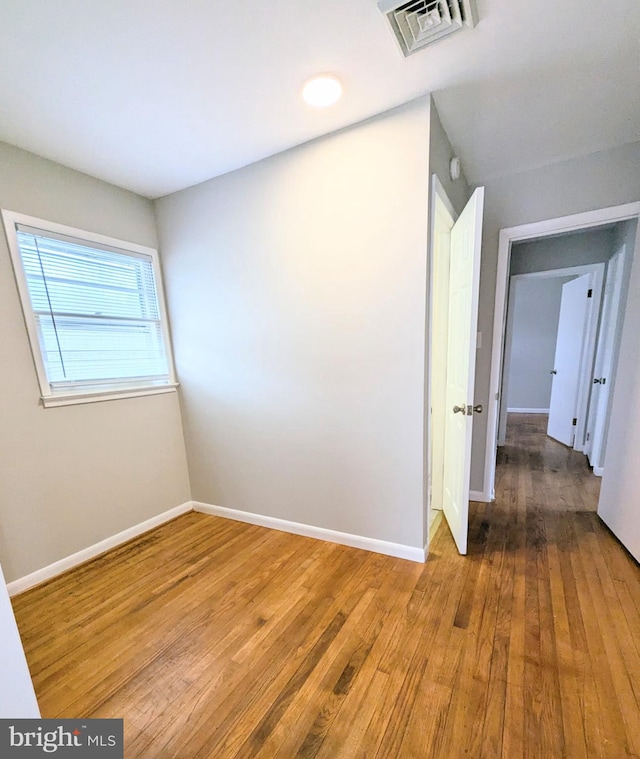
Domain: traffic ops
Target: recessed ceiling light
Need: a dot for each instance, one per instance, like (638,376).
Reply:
(322,91)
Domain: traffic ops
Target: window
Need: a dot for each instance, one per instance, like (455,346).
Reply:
(94,312)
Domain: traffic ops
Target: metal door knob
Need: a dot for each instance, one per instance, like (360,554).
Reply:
(477,409)
(600,381)
(553,371)
(459,410)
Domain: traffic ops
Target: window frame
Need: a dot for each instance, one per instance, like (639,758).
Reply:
(90,393)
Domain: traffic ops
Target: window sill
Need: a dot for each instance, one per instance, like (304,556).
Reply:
(72,399)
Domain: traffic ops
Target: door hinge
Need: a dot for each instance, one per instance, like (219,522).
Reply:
(575,421)
(590,293)
(588,436)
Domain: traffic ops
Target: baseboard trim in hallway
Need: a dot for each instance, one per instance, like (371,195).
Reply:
(480,496)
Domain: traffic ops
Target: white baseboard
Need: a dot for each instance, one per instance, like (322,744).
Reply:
(398,550)
(58,567)
(478,495)
(527,410)
(598,471)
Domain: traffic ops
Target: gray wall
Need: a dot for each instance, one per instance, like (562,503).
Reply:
(582,184)
(534,323)
(440,154)
(297,291)
(72,476)
(578,249)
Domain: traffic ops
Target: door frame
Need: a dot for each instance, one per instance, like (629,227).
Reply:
(583,393)
(509,235)
(438,194)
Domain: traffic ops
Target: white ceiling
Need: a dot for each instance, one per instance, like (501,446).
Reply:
(157,95)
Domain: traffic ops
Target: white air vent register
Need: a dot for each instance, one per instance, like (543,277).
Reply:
(419,23)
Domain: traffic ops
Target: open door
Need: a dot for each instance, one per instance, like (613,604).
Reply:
(464,282)
(572,327)
(606,358)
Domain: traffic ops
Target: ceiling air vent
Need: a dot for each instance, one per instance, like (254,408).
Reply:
(420,23)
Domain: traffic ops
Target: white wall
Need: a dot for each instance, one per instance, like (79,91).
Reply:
(624,235)
(596,181)
(17,697)
(536,310)
(297,293)
(75,475)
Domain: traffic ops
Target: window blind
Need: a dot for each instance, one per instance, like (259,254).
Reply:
(96,312)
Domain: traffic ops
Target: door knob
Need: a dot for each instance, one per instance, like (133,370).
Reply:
(459,410)
(477,409)
(601,381)
(553,371)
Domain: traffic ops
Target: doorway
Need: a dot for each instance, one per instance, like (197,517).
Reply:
(602,333)
(550,341)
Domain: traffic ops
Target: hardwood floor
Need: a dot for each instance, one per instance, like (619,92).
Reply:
(218,639)
(560,476)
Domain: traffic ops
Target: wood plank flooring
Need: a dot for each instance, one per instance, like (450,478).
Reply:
(218,639)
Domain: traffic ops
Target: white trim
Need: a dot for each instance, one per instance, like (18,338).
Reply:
(527,411)
(86,554)
(51,401)
(480,496)
(10,220)
(438,194)
(398,550)
(588,356)
(14,217)
(573,223)
(508,236)
(438,190)
(598,471)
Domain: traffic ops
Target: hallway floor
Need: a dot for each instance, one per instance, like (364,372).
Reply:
(560,477)
(220,639)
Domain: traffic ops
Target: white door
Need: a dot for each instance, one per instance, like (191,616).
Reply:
(574,311)
(464,281)
(443,223)
(605,357)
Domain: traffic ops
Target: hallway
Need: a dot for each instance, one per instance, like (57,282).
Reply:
(534,463)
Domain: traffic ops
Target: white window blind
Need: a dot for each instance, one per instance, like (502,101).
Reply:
(96,312)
